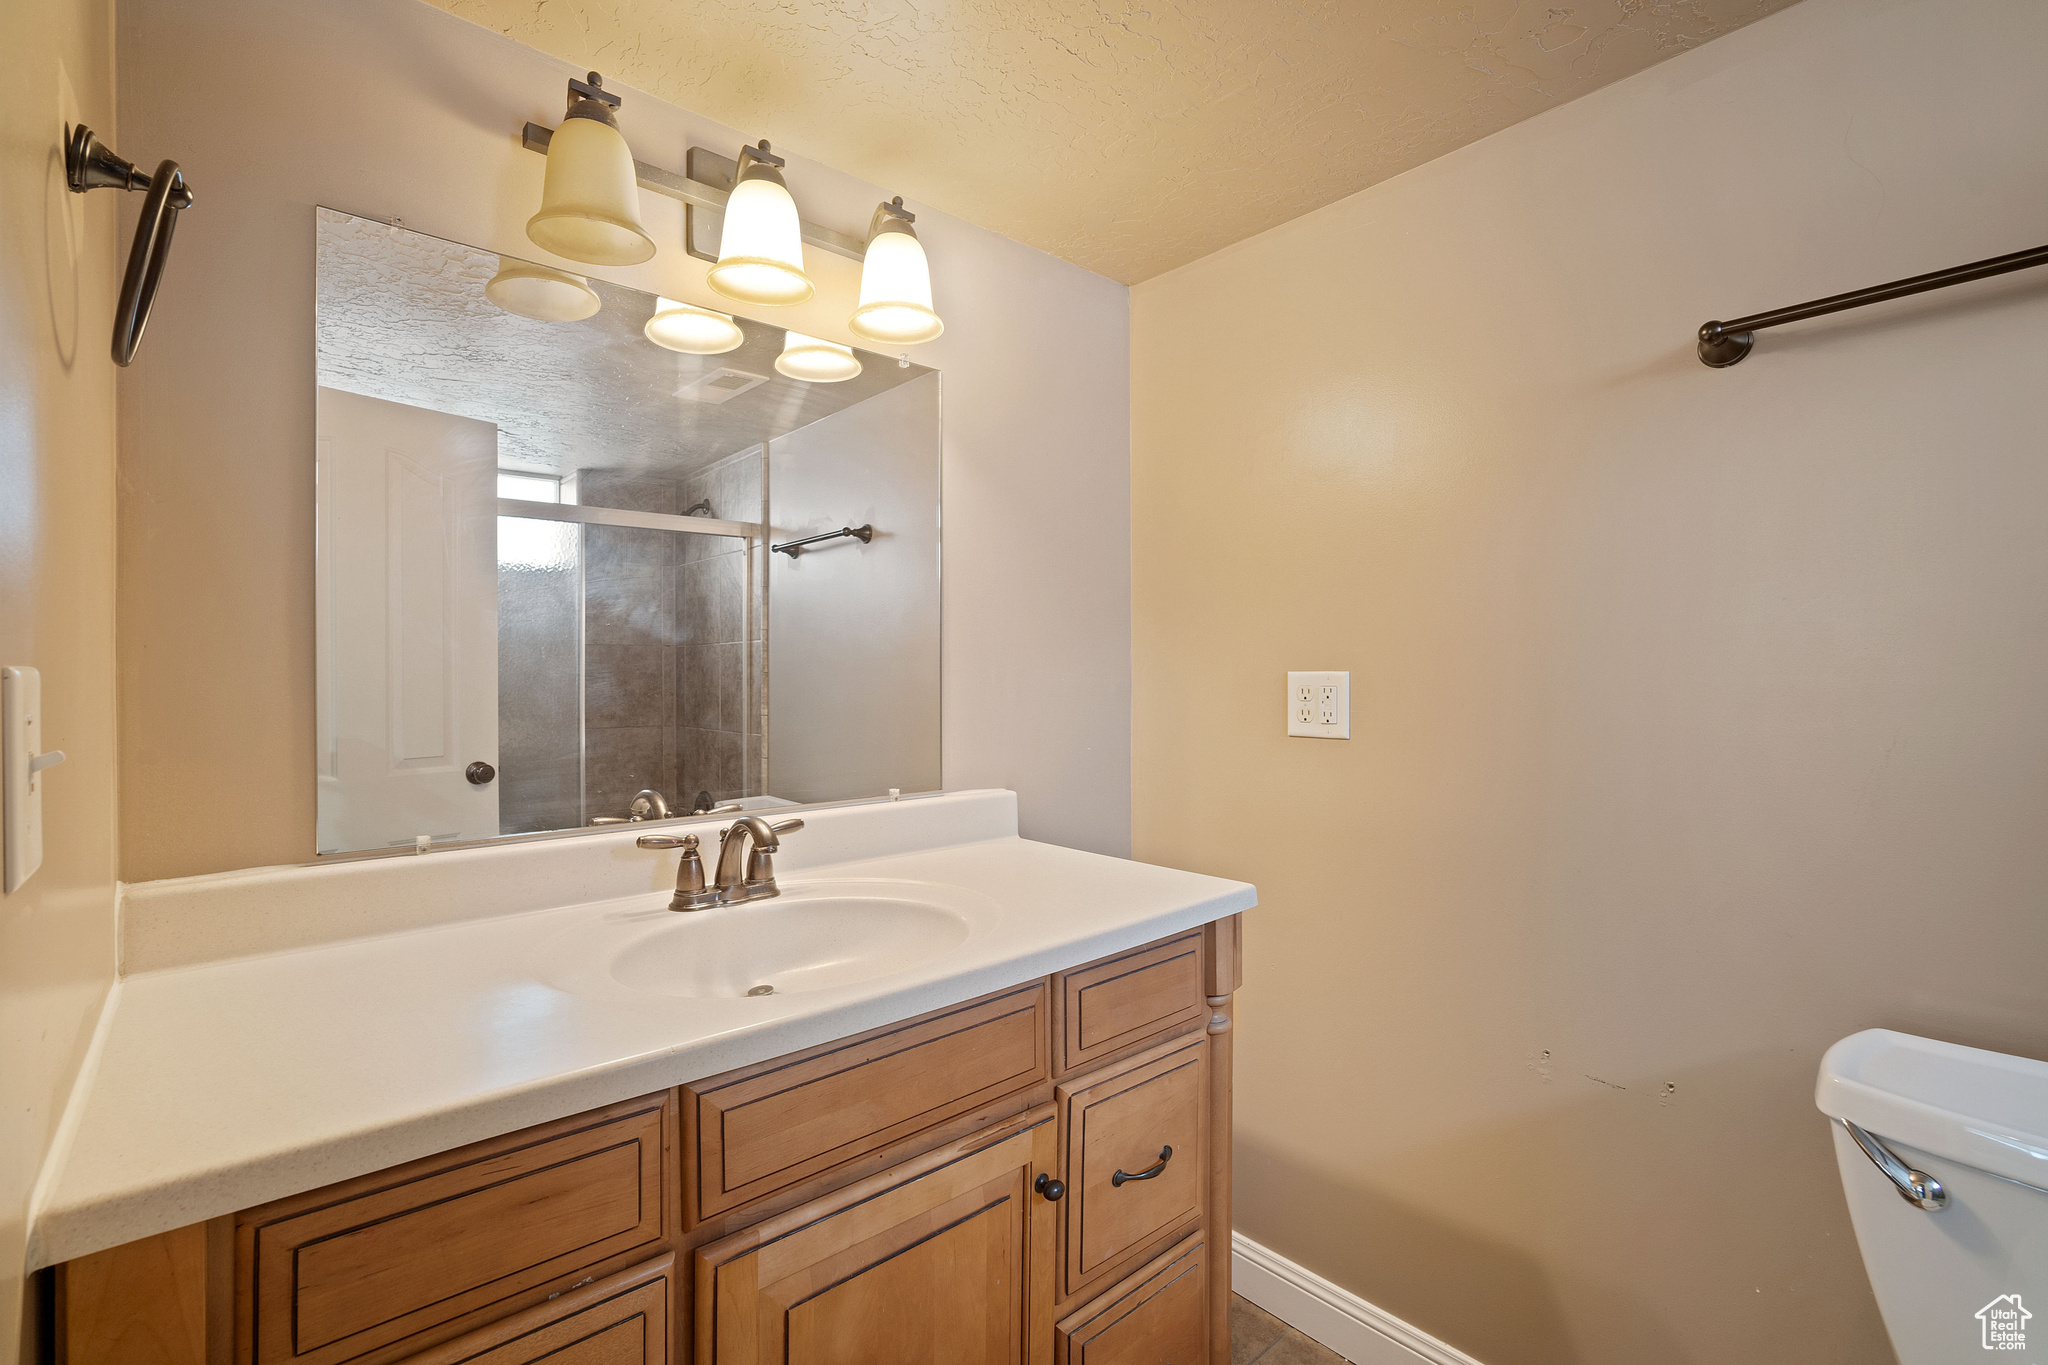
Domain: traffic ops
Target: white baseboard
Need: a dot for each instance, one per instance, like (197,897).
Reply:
(1331,1315)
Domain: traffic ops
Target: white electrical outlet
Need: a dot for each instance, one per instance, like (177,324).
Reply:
(1319,705)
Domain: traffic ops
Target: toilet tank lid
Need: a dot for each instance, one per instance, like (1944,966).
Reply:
(1985,1109)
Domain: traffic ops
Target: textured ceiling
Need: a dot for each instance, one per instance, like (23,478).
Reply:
(1126,137)
(402,316)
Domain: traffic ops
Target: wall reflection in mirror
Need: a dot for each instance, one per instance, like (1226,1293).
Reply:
(548,593)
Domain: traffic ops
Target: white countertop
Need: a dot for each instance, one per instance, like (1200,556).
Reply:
(395,1008)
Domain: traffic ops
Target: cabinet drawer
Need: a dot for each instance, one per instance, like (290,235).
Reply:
(761,1129)
(411,1256)
(1124,1001)
(1115,1125)
(1159,1316)
(623,1320)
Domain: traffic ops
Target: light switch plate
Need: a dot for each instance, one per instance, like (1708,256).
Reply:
(1319,705)
(22,762)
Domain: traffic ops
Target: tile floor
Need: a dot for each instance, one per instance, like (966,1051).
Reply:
(1256,1335)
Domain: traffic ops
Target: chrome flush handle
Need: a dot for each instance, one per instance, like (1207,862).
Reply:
(1915,1187)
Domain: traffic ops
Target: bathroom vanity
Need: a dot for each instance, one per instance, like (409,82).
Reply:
(470,1087)
(1021,1154)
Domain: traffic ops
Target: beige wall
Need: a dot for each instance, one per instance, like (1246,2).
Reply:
(853,630)
(382,107)
(1699,717)
(58,279)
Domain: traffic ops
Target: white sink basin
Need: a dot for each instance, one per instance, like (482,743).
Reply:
(812,937)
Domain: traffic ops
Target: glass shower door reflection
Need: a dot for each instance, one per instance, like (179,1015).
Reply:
(540,674)
(630,660)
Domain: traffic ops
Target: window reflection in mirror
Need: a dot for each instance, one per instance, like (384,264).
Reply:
(548,596)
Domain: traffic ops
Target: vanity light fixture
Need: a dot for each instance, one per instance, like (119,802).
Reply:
(541,292)
(815,361)
(695,331)
(738,215)
(761,253)
(590,200)
(895,282)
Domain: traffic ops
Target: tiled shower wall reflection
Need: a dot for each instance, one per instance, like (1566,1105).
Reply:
(665,624)
(669,700)
(722,692)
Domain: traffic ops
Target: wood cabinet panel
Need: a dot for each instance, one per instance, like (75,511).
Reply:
(162,1300)
(1121,1002)
(622,1320)
(754,1131)
(375,1263)
(945,1260)
(1115,1125)
(1222,1067)
(1222,956)
(1159,1316)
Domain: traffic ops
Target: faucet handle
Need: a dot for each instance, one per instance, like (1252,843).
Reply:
(690,890)
(760,877)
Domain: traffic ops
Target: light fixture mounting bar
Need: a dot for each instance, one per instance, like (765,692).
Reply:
(711,197)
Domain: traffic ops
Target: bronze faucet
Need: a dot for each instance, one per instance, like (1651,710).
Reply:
(746,871)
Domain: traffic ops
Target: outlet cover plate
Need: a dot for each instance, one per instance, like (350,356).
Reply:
(1319,705)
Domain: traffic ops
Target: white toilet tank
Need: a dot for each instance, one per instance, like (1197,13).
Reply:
(1968,1280)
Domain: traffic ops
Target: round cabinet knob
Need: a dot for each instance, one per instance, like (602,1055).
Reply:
(1052,1189)
(480,773)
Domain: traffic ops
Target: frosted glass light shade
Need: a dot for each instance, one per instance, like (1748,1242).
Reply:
(761,253)
(815,361)
(693,330)
(590,201)
(896,292)
(541,292)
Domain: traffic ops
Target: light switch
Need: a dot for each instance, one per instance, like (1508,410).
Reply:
(1319,705)
(22,762)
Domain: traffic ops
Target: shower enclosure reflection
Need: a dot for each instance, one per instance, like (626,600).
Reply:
(544,578)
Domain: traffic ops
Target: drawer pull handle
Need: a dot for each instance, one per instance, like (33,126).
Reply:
(1052,1189)
(1165,1155)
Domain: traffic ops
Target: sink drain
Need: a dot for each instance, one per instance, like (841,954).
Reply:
(762,990)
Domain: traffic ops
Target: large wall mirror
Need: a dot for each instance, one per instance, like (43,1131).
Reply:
(550,588)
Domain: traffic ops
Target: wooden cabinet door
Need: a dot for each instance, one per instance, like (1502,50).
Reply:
(623,1320)
(946,1259)
(1159,1316)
